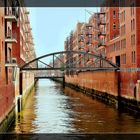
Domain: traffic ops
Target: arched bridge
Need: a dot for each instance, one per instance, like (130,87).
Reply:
(69,62)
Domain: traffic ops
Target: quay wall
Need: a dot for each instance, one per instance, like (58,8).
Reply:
(27,85)
(9,96)
(7,104)
(118,88)
(103,81)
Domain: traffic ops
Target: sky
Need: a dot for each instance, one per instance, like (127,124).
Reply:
(51,26)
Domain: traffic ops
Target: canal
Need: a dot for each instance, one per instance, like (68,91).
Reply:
(52,109)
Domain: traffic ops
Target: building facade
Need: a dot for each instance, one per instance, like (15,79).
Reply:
(113,33)
(16,48)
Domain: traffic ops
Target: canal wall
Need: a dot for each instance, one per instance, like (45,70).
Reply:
(27,85)
(11,99)
(120,89)
(100,84)
(7,105)
(22,88)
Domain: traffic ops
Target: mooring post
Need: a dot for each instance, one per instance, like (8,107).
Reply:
(63,81)
(20,82)
(19,104)
(19,101)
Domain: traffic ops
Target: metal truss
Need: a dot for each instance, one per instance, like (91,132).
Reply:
(69,61)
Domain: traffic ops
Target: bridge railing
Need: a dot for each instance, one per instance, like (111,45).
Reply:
(70,61)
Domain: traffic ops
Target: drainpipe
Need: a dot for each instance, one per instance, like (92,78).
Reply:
(119,90)
(20,82)
(63,80)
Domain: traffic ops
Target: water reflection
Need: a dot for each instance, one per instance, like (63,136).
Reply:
(52,109)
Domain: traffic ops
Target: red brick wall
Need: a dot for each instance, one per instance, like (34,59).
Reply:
(7,92)
(100,81)
(7,95)
(129,81)
(108,82)
(16,46)
(137,36)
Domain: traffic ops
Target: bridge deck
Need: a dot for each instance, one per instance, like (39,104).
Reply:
(48,77)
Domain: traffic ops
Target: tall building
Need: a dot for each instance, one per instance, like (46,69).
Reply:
(23,50)
(16,49)
(114,34)
(8,15)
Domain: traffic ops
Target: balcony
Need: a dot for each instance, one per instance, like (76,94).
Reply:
(102,22)
(27,22)
(101,44)
(89,42)
(80,38)
(101,13)
(11,15)
(11,62)
(81,47)
(102,33)
(96,28)
(27,12)
(11,38)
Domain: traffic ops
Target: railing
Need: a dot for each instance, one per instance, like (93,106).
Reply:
(101,43)
(11,12)
(102,22)
(49,74)
(10,60)
(11,35)
(102,33)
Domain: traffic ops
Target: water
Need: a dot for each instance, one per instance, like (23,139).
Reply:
(52,109)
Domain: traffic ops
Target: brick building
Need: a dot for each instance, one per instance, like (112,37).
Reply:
(123,49)
(8,16)
(16,48)
(114,34)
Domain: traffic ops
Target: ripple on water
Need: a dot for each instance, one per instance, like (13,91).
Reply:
(51,109)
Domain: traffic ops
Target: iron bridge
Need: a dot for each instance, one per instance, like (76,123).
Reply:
(69,62)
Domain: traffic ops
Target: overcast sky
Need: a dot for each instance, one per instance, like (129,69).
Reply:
(51,26)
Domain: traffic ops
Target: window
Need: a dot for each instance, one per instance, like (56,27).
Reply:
(123,43)
(132,8)
(117,45)
(123,58)
(114,14)
(122,16)
(118,14)
(123,30)
(119,26)
(118,61)
(114,25)
(133,25)
(2,20)
(133,40)
(133,57)
(6,72)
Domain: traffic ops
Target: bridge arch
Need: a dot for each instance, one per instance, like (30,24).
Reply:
(70,60)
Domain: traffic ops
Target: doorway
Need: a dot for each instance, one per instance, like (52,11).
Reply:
(118,61)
